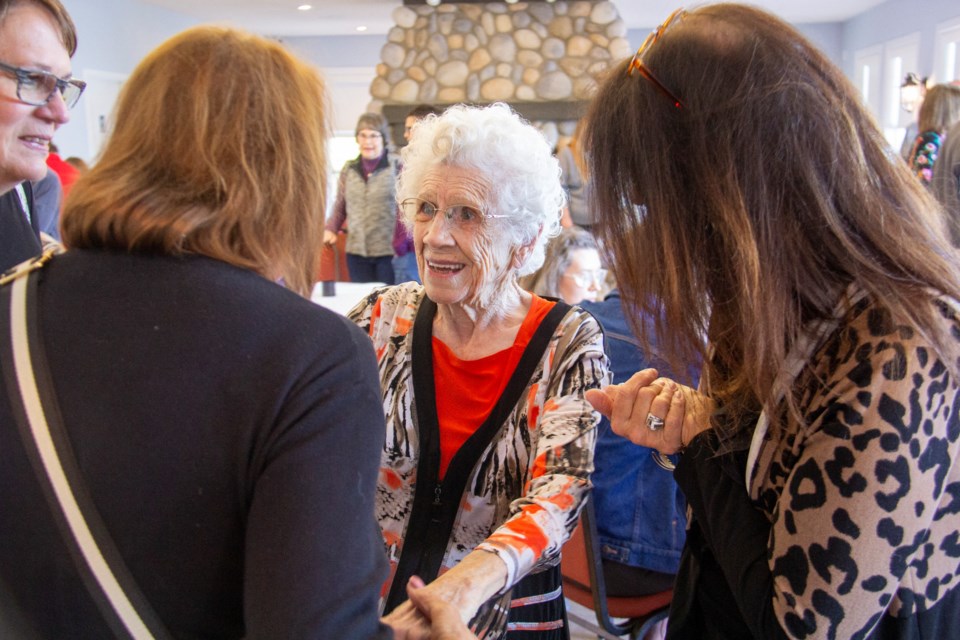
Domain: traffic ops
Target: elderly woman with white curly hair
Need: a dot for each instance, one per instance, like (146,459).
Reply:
(489,445)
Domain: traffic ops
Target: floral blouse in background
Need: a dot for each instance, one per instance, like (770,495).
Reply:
(925,151)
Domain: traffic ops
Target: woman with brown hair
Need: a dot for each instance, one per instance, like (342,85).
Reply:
(366,204)
(752,210)
(575,175)
(225,428)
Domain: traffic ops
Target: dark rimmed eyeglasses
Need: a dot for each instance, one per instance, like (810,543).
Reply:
(636,64)
(36,87)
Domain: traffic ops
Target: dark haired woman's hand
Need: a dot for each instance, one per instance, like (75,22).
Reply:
(653,412)
(445,622)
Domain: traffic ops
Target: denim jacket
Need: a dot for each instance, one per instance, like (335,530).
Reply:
(641,513)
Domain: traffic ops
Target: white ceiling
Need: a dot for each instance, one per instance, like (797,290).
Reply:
(342,17)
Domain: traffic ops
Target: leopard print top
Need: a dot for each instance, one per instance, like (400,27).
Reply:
(864,500)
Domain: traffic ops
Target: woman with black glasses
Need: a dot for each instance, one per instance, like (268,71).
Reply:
(753,210)
(37,40)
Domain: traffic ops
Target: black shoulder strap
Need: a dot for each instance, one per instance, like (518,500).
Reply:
(37,413)
(435,504)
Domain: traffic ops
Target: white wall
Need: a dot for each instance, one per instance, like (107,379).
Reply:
(882,45)
(115,34)
(112,35)
(348,63)
(897,19)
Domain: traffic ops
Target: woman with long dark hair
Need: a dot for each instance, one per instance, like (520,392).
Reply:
(753,212)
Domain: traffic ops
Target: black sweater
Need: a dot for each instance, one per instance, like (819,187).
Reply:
(229,432)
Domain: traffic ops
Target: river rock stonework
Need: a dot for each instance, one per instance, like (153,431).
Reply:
(479,53)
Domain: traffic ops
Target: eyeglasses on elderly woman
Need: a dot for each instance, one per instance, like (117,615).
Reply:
(36,87)
(461,216)
(637,64)
(584,279)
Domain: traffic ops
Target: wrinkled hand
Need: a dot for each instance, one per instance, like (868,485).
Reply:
(408,623)
(445,622)
(684,411)
(427,616)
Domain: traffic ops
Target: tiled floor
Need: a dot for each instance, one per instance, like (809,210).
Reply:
(580,633)
(577,632)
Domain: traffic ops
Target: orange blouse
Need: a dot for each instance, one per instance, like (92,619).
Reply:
(467,390)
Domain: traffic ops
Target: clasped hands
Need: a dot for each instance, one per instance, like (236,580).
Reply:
(427,616)
(652,411)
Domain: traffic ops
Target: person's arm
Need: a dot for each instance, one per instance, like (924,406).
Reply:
(338,214)
(559,477)
(314,555)
(47,198)
(477,578)
(445,623)
(736,532)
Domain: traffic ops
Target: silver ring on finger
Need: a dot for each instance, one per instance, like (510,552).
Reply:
(654,423)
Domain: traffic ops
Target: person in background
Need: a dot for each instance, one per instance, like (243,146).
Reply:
(78,163)
(226,428)
(571,270)
(67,173)
(490,440)
(939,111)
(47,200)
(576,180)
(946,181)
(404,257)
(641,512)
(912,91)
(779,245)
(417,114)
(366,204)
(37,40)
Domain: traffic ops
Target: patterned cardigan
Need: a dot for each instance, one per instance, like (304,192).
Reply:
(524,495)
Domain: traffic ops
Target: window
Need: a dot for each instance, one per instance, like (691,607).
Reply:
(947,62)
(901,56)
(867,63)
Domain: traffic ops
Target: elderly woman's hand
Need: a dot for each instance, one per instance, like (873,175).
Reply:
(427,616)
(445,622)
(464,587)
(653,412)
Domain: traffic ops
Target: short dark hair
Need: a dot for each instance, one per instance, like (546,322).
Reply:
(375,122)
(68,31)
(423,110)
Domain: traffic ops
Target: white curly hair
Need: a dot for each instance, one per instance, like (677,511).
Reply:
(510,153)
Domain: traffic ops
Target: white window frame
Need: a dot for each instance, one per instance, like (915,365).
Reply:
(868,76)
(947,52)
(901,56)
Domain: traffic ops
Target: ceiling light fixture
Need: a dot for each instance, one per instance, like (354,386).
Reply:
(361,28)
(305,7)
(433,3)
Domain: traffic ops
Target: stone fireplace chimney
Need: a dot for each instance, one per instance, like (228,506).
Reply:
(541,58)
